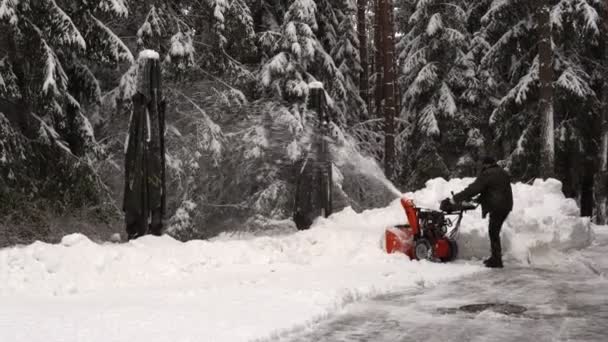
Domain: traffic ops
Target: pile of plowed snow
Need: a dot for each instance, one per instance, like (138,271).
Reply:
(543,222)
(227,289)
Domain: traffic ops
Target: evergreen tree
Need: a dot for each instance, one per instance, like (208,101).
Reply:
(48,49)
(50,46)
(434,74)
(512,64)
(299,58)
(362,35)
(346,55)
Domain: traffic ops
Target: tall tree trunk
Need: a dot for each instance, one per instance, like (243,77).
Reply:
(389,88)
(379,55)
(362,31)
(547,156)
(601,180)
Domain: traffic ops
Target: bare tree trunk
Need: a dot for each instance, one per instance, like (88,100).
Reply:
(389,88)
(379,56)
(362,31)
(547,156)
(601,180)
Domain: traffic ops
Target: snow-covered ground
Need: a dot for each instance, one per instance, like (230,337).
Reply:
(248,288)
(519,303)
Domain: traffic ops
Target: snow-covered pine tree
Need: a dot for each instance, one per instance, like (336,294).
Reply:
(48,46)
(286,73)
(512,62)
(363,51)
(434,74)
(345,53)
(477,100)
(300,58)
(221,30)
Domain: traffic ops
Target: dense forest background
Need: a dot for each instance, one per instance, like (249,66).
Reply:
(425,87)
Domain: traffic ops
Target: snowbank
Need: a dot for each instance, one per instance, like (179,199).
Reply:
(159,289)
(543,223)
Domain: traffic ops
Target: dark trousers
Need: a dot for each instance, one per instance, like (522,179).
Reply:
(494,227)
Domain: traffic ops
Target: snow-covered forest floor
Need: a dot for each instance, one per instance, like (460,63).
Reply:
(243,288)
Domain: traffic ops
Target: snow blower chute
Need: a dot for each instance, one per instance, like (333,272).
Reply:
(426,236)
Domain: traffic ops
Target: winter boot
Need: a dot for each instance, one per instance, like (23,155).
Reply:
(493,262)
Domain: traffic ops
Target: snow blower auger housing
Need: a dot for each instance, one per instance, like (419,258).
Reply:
(430,234)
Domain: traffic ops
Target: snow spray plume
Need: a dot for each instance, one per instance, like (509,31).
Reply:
(348,157)
(349,160)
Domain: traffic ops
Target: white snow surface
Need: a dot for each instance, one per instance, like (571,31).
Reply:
(315,85)
(250,288)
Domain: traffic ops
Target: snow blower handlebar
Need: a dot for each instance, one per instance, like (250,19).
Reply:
(449,208)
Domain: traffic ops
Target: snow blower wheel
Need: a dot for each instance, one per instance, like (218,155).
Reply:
(452,252)
(423,250)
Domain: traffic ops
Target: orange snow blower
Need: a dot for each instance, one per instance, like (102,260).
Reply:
(426,237)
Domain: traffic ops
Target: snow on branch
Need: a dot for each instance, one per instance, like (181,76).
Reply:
(55,77)
(153,26)
(8,80)
(460,13)
(303,11)
(519,93)
(454,35)
(446,100)
(118,7)
(181,49)
(64,30)
(87,80)
(519,149)
(118,49)
(496,7)
(435,25)
(575,83)
(49,135)
(128,83)
(518,30)
(557,13)
(590,16)
(525,83)
(276,66)
(429,120)
(8,11)
(426,77)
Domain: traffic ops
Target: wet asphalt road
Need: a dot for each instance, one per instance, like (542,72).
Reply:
(519,303)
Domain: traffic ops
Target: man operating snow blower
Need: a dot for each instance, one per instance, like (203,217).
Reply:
(496,198)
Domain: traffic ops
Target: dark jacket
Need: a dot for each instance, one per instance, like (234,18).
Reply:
(494,186)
